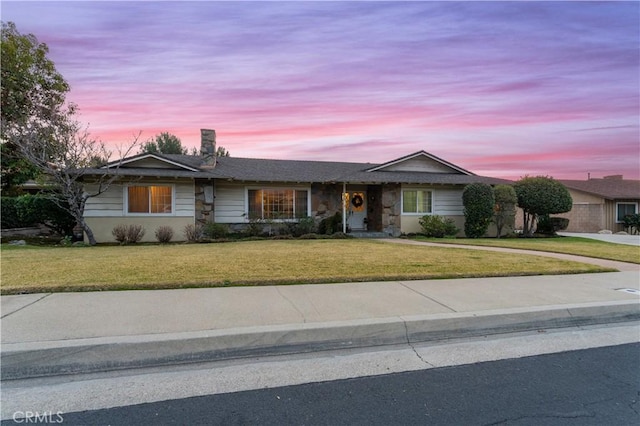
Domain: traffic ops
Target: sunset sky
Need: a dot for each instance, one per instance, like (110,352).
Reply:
(503,89)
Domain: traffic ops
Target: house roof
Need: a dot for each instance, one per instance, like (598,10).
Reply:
(610,189)
(293,171)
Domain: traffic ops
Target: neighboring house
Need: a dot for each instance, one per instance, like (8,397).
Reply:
(177,190)
(601,204)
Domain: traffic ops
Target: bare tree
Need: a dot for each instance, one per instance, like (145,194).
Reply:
(67,160)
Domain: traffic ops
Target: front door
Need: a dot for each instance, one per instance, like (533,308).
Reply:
(357,210)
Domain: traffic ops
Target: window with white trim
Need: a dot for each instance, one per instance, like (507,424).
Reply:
(417,201)
(624,209)
(149,199)
(278,203)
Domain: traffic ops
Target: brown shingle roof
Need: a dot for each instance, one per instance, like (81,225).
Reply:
(610,189)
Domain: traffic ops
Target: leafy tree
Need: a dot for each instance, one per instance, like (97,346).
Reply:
(164,143)
(505,208)
(32,95)
(40,128)
(541,195)
(479,201)
(221,151)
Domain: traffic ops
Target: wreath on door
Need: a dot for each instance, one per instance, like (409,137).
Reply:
(357,201)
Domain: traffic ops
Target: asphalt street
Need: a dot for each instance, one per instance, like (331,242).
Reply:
(586,387)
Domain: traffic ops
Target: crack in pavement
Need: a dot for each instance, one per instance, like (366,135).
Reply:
(26,306)
(406,331)
(293,305)
(426,297)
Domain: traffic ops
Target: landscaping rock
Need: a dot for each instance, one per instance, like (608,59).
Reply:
(17,243)
(605,231)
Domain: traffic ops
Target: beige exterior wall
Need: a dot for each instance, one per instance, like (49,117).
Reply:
(102,226)
(104,212)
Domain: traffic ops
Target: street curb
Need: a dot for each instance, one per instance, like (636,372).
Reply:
(39,359)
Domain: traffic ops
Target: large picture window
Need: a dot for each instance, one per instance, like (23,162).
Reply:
(278,203)
(624,209)
(149,199)
(416,201)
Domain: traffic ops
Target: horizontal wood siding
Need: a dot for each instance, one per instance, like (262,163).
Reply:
(229,203)
(448,202)
(107,204)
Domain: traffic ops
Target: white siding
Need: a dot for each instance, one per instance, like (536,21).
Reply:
(447,202)
(111,202)
(229,202)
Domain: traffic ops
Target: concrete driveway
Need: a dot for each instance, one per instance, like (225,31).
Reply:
(632,240)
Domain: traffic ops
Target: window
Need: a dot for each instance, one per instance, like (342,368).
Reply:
(149,199)
(278,203)
(624,209)
(416,201)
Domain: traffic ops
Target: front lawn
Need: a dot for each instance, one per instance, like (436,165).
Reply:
(569,245)
(45,269)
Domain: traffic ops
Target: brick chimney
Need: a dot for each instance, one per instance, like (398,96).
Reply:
(208,147)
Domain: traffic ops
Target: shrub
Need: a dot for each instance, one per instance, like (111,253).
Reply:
(505,208)
(330,225)
(541,195)
(30,210)
(193,232)
(128,234)
(135,233)
(9,214)
(164,234)
(632,223)
(119,232)
(550,225)
(479,202)
(215,230)
(255,228)
(435,226)
(304,225)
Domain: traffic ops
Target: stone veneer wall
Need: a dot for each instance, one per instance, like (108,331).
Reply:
(391,209)
(204,201)
(326,200)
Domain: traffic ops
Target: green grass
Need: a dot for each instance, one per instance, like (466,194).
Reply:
(45,269)
(569,245)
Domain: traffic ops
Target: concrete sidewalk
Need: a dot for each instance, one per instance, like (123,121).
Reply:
(51,334)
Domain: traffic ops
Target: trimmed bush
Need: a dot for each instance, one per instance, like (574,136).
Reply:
(135,233)
(538,196)
(128,234)
(164,234)
(215,230)
(505,208)
(551,225)
(632,223)
(434,226)
(479,202)
(193,232)
(119,232)
(330,225)
(304,225)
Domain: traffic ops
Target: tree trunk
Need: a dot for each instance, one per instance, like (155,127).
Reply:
(87,230)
